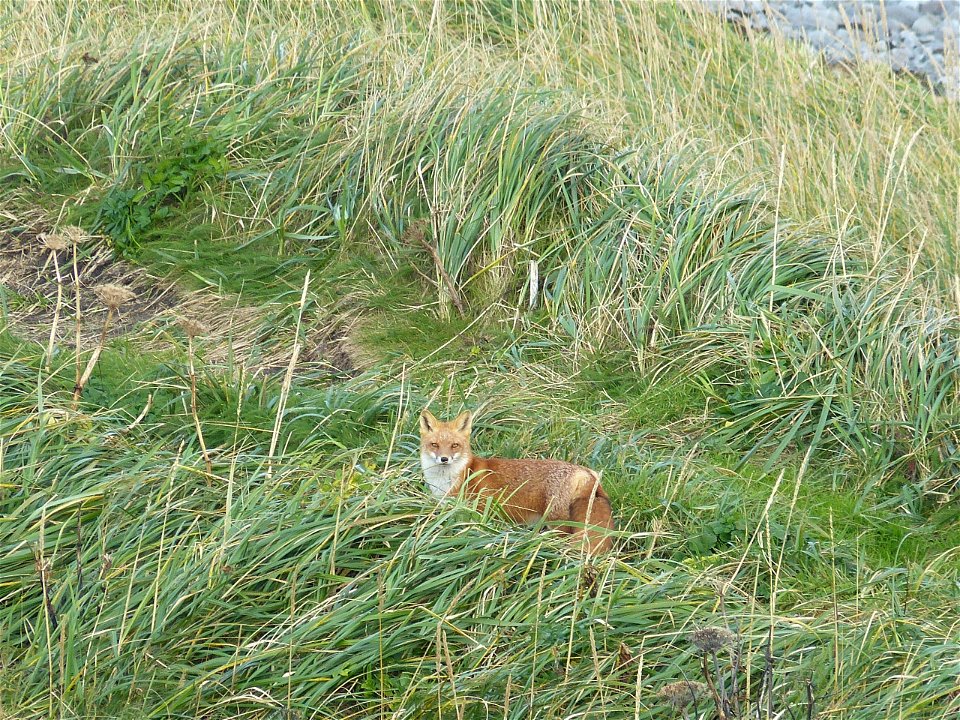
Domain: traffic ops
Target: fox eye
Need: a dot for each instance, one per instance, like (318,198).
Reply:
(434,445)
(455,445)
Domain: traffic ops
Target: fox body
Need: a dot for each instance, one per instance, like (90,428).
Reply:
(527,489)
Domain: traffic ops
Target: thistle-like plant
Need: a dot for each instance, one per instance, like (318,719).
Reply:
(710,641)
(682,694)
(113,296)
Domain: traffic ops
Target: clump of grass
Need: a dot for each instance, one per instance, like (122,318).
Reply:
(334,585)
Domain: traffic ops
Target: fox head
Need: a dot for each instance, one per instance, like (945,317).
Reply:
(445,443)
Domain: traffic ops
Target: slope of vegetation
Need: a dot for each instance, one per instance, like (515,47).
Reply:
(709,266)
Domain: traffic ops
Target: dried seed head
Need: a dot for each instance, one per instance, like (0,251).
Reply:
(42,565)
(712,639)
(113,296)
(682,693)
(52,241)
(193,328)
(416,231)
(74,234)
(63,238)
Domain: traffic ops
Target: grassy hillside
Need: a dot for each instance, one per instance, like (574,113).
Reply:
(709,266)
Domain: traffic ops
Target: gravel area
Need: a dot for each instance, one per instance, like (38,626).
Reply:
(914,36)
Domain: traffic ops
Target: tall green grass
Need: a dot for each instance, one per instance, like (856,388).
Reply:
(346,137)
(713,268)
(135,584)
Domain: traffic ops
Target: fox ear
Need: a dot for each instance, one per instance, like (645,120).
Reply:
(464,422)
(428,423)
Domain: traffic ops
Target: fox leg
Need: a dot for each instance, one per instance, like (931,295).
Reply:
(593,510)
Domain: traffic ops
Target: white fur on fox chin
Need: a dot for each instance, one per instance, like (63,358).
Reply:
(441,477)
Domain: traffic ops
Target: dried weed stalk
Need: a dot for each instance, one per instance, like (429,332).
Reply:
(113,296)
(193,329)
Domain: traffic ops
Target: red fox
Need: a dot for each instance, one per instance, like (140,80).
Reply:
(527,489)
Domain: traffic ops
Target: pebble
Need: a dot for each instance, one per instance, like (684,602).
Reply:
(924,25)
(909,35)
(903,14)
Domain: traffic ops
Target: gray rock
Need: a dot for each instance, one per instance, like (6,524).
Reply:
(759,22)
(950,87)
(832,55)
(826,18)
(924,25)
(899,59)
(843,37)
(792,31)
(820,39)
(867,19)
(744,7)
(902,14)
(920,67)
(790,15)
(908,35)
(908,38)
(934,7)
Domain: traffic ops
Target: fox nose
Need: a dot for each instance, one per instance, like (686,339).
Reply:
(444,459)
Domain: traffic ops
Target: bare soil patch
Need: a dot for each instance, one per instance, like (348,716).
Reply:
(239,333)
(233,332)
(29,275)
